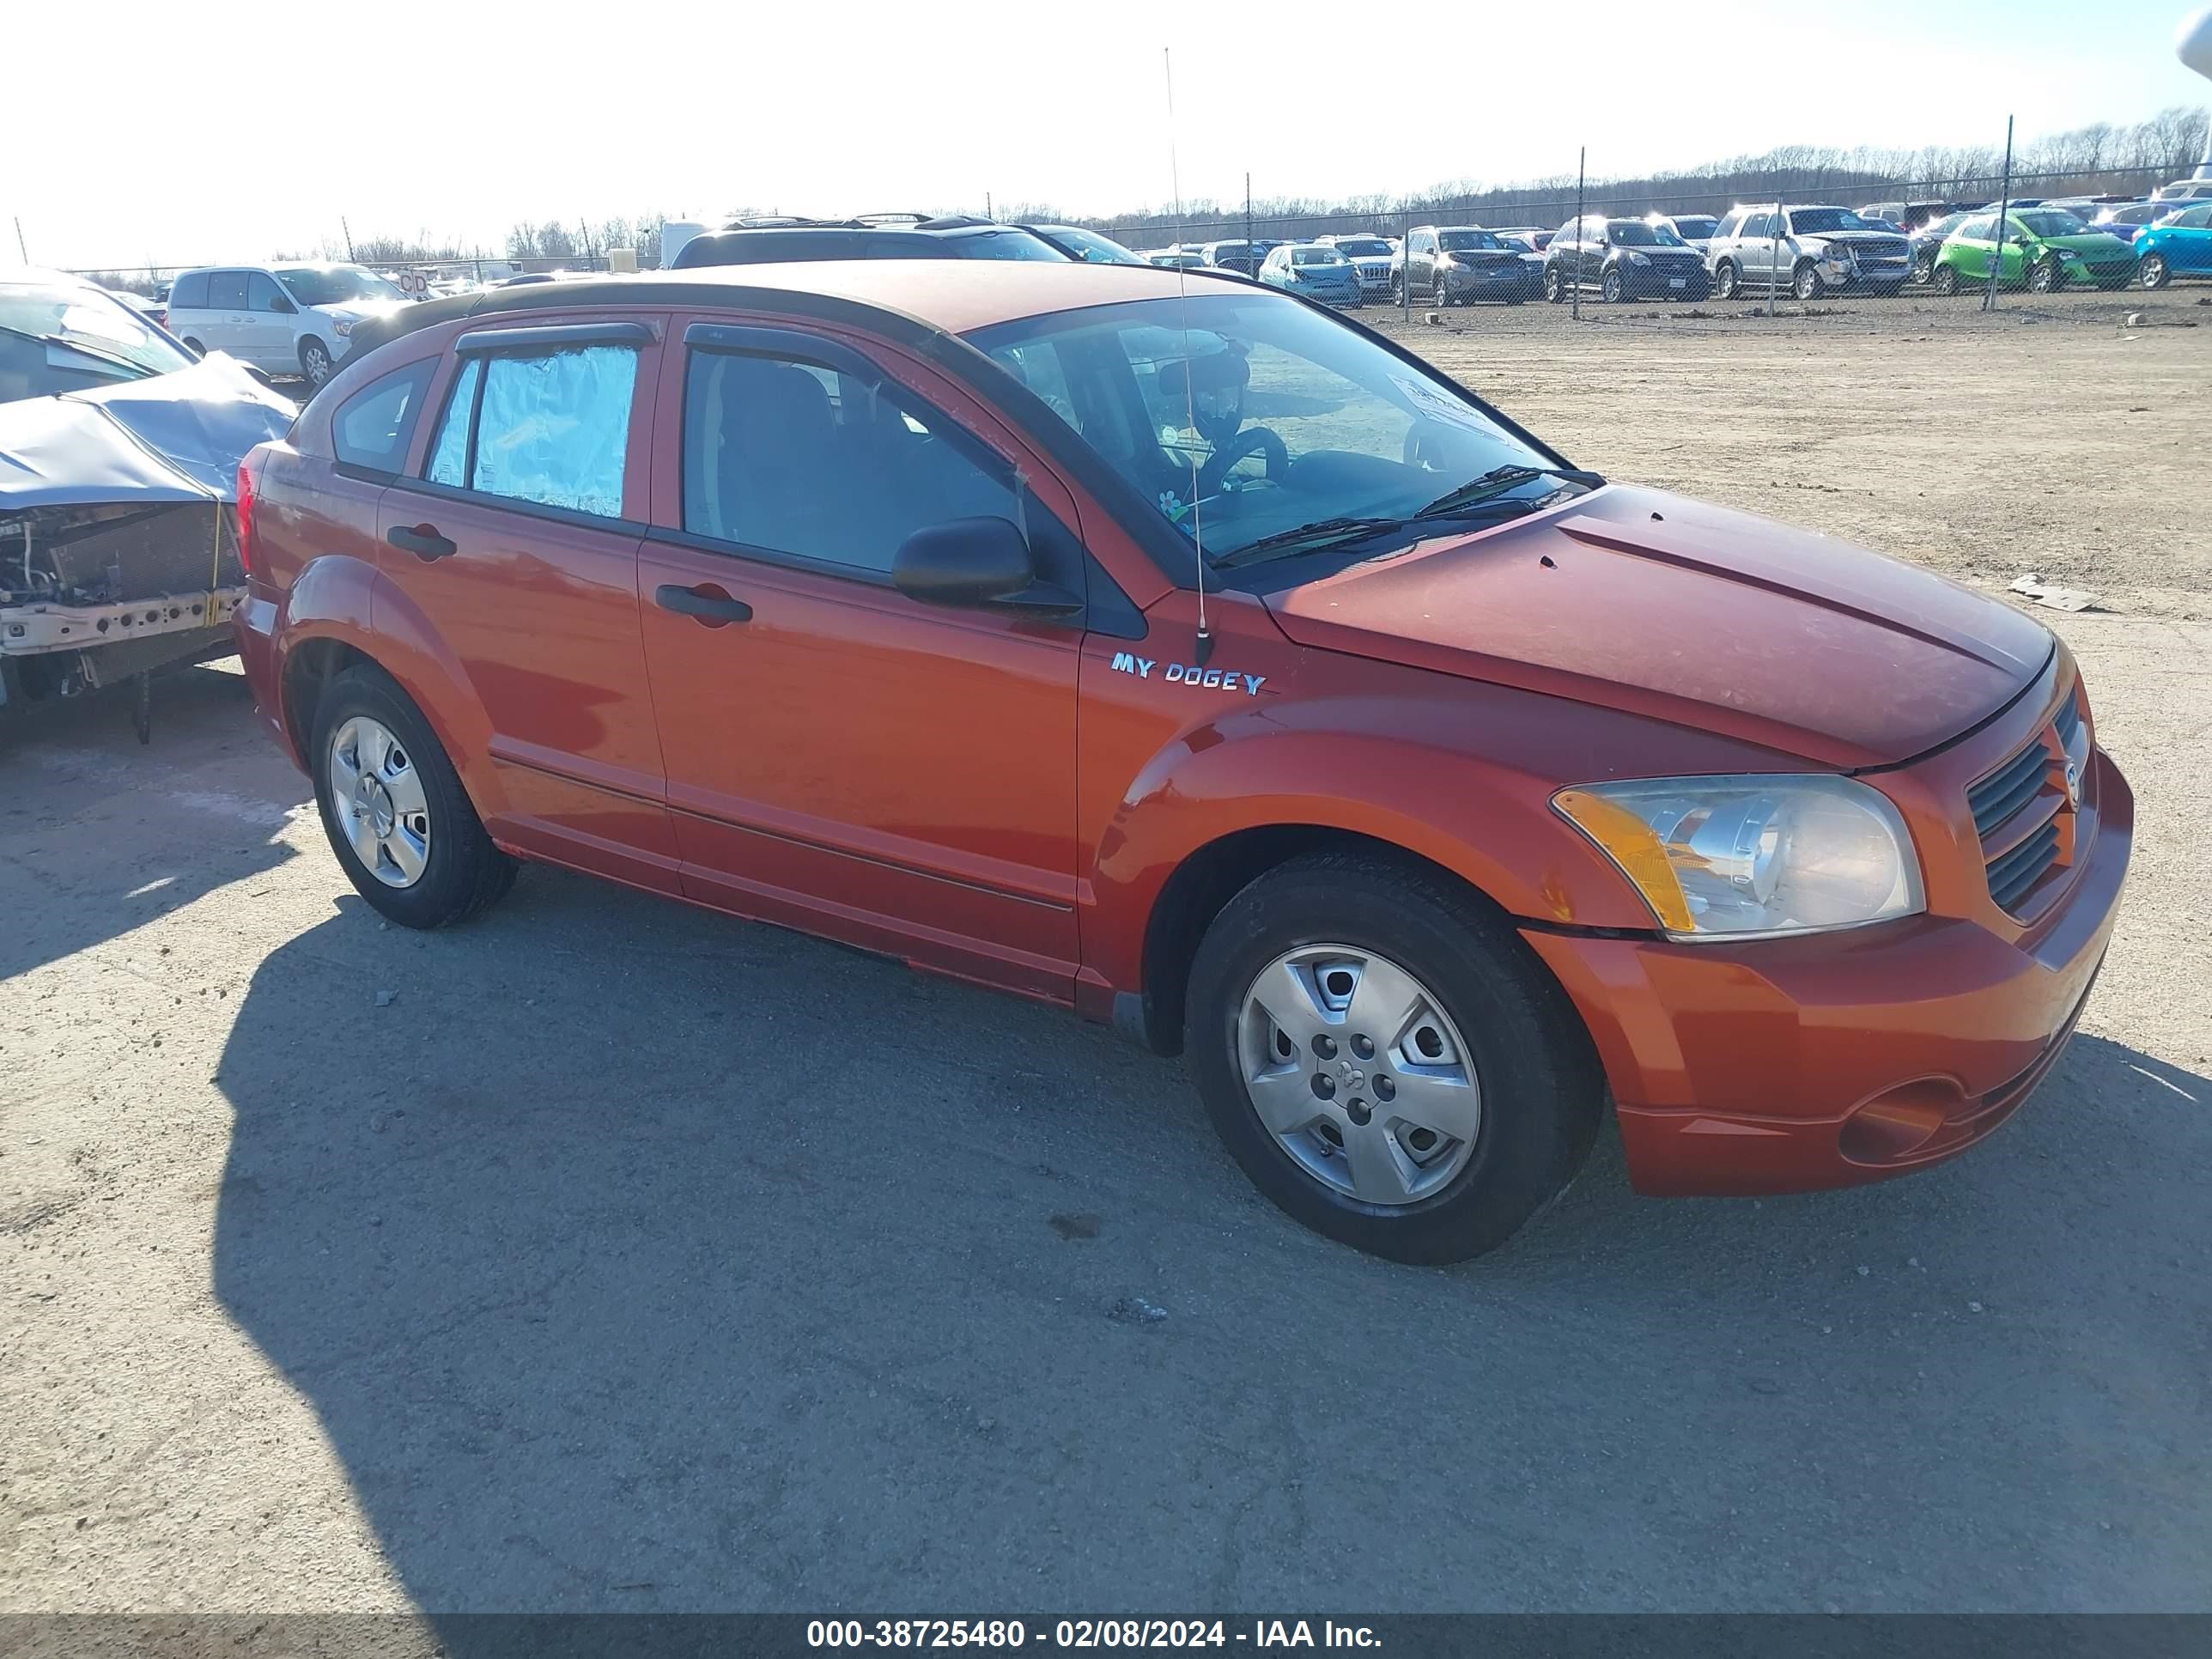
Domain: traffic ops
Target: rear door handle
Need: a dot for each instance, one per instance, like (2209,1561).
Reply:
(422,540)
(709,602)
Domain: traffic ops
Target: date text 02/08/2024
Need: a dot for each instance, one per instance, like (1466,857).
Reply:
(1084,1633)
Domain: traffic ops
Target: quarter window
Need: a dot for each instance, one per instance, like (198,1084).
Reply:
(552,428)
(799,460)
(190,293)
(372,427)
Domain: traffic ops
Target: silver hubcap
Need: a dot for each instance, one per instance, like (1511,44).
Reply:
(1355,1068)
(377,797)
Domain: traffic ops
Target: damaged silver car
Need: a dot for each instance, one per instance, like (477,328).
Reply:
(118,470)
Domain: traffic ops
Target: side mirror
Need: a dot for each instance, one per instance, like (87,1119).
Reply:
(973,562)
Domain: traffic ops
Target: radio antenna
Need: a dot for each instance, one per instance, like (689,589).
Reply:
(1189,394)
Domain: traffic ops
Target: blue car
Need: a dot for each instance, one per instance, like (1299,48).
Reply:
(2179,246)
(1318,272)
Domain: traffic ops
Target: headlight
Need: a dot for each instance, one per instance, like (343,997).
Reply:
(342,327)
(1754,856)
(2068,253)
(1841,253)
(1636,258)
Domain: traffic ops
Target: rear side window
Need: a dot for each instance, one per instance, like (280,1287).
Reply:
(226,290)
(190,293)
(372,427)
(2196,219)
(796,458)
(552,428)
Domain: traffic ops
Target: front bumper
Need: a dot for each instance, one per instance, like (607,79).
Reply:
(1495,282)
(1790,1064)
(1657,283)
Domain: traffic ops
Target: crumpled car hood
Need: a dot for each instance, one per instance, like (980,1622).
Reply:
(176,437)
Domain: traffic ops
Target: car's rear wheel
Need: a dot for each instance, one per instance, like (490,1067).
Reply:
(1387,1062)
(2152,272)
(1614,289)
(194,347)
(394,810)
(314,360)
(1946,280)
(1724,280)
(1805,283)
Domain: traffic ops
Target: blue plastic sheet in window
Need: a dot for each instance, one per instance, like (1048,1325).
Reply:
(555,430)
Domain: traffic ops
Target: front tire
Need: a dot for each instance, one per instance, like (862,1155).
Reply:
(1806,285)
(1386,1061)
(1614,289)
(1555,287)
(2045,277)
(394,810)
(2152,272)
(1724,280)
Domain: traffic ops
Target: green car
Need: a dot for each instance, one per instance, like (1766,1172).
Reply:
(2044,248)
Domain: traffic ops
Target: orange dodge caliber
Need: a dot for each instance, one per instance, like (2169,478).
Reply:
(1204,662)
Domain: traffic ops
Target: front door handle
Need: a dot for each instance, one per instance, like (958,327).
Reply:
(422,540)
(709,602)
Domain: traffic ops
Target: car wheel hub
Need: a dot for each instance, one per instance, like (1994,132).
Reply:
(1354,1067)
(378,799)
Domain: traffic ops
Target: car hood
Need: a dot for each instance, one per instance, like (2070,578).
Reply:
(176,437)
(1655,605)
(359,311)
(2090,242)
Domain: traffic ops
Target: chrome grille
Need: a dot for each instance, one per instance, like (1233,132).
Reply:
(2019,812)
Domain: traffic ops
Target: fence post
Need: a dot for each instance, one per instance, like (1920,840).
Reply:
(1574,274)
(2004,207)
(1406,264)
(1774,261)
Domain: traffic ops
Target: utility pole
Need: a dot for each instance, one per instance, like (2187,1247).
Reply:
(1575,270)
(1997,232)
(987,214)
(20,248)
(348,230)
(1248,222)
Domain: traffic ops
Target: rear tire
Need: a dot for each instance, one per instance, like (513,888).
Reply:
(1946,281)
(462,872)
(194,347)
(1536,1089)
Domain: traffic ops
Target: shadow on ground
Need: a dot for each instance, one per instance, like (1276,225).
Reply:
(637,1260)
(150,804)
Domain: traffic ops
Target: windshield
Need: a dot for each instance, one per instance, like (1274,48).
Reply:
(1634,232)
(1263,416)
(1804,220)
(1696,224)
(1093,248)
(62,338)
(2050,223)
(1460,241)
(1363,247)
(337,285)
(1316,255)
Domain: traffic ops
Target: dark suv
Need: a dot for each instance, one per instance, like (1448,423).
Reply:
(1458,264)
(1622,259)
(864,239)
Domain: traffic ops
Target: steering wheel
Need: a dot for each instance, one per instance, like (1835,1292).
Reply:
(1254,440)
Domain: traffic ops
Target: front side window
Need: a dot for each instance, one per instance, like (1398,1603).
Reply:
(262,292)
(1240,417)
(372,427)
(818,464)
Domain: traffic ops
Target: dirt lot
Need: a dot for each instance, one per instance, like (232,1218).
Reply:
(626,1258)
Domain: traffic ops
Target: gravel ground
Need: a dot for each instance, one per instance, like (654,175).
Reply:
(608,1254)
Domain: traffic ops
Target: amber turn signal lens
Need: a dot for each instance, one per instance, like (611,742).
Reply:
(1629,842)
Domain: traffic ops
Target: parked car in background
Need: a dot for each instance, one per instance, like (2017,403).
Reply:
(905,238)
(1491,797)
(1315,270)
(1369,256)
(1696,229)
(1088,245)
(118,461)
(2124,219)
(1622,259)
(1807,251)
(2043,249)
(286,319)
(2184,190)
(1175,258)
(153,310)
(1458,264)
(2179,246)
(1233,254)
(1923,245)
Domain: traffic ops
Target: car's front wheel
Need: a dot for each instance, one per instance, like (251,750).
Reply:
(1614,289)
(1807,284)
(1386,1061)
(314,360)
(2152,272)
(1555,287)
(2045,277)
(394,810)
(1724,280)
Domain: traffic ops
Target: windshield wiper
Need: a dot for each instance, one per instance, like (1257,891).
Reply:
(1497,481)
(138,370)
(1307,537)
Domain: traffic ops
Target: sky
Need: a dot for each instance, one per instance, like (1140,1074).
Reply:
(459,117)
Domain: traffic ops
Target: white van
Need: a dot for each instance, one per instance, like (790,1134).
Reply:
(291,320)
